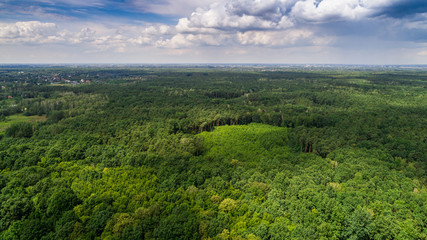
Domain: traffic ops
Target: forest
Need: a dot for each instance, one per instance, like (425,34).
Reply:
(213,152)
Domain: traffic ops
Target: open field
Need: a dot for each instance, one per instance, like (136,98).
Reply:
(16,118)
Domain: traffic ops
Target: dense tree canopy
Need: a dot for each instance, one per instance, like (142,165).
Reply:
(212,153)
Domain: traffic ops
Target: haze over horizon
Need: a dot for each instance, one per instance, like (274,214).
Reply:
(229,31)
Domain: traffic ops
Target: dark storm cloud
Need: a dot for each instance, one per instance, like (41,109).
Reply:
(403,9)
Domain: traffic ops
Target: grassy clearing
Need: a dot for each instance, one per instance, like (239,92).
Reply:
(246,142)
(19,118)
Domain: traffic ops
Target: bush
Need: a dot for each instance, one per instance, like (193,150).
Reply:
(20,129)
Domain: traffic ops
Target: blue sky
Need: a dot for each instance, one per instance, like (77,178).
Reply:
(221,31)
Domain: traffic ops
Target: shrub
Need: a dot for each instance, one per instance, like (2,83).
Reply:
(20,129)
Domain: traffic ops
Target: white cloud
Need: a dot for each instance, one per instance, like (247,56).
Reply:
(30,32)
(85,35)
(237,15)
(242,24)
(276,38)
(329,10)
(148,35)
(191,40)
(248,15)
(141,40)
(96,36)
(265,23)
(217,30)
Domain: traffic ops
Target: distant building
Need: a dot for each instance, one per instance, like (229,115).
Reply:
(9,97)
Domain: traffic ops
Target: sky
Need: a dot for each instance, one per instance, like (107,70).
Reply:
(379,32)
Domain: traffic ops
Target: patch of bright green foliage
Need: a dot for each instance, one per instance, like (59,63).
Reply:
(18,119)
(12,119)
(245,142)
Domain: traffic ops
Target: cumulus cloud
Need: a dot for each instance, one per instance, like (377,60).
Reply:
(269,23)
(285,23)
(31,32)
(191,40)
(237,15)
(330,10)
(266,23)
(149,35)
(85,35)
(97,37)
(35,32)
(282,38)
(339,10)
(281,14)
